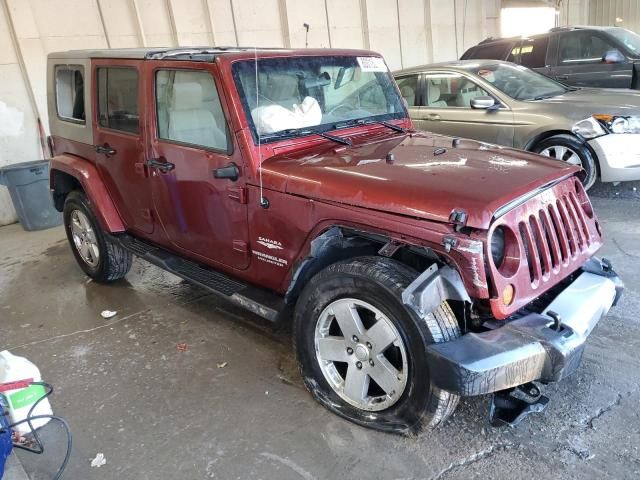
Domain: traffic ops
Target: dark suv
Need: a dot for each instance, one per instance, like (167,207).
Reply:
(607,57)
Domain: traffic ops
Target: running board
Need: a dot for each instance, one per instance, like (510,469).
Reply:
(259,301)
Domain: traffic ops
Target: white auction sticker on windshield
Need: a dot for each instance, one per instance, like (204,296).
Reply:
(372,64)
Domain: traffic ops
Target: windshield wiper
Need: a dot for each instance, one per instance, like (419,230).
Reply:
(294,132)
(393,127)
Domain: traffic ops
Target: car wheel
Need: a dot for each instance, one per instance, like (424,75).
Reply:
(571,150)
(100,258)
(362,352)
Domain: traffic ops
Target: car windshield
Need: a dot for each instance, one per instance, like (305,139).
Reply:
(629,39)
(519,82)
(302,95)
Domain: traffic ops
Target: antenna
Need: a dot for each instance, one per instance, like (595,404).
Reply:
(306,35)
(264,203)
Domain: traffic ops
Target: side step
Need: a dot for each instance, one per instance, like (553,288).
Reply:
(259,301)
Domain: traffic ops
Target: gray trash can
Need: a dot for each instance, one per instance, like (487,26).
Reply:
(28,184)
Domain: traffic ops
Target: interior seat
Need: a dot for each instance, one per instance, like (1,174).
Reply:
(189,120)
(467,92)
(434,95)
(409,94)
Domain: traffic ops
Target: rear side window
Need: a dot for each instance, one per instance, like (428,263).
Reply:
(189,110)
(496,51)
(118,99)
(70,93)
(533,52)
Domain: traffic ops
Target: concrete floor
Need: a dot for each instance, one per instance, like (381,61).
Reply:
(156,412)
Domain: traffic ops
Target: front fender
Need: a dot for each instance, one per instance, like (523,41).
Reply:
(89,179)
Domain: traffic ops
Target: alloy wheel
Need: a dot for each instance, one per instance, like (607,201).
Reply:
(84,238)
(361,354)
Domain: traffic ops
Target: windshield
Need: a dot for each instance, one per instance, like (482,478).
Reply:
(519,82)
(628,38)
(296,95)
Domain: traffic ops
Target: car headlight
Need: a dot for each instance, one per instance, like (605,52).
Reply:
(620,124)
(601,124)
(497,246)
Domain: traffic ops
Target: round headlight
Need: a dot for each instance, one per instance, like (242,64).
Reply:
(497,246)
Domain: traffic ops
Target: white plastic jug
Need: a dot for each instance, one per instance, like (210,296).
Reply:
(13,369)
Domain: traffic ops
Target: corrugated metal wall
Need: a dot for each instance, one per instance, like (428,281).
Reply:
(620,13)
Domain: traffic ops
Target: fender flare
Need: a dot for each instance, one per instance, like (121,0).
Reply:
(89,179)
(432,287)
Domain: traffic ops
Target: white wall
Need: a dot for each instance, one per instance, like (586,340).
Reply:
(619,13)
(406,32)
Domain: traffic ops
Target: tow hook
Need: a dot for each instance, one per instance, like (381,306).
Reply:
(511,406)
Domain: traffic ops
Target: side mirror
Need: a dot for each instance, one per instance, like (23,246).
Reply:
(483,103)
(613,56)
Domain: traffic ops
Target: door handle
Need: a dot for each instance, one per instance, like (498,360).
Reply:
(563,77)
(105,149)
(432,116)
(230,172)
(160,164)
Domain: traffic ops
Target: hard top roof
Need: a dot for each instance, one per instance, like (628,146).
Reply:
(465,65)
(203,54)
(553,30)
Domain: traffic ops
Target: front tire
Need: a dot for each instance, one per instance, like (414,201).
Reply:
(362,353)
(569,149)
(100,258)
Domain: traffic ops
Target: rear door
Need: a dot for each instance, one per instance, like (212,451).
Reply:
(191,144)
(580,61)
(446,109)
(533,54)
(118,141)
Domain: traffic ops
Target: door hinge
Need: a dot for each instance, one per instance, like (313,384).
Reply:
(239,194)
(448,243)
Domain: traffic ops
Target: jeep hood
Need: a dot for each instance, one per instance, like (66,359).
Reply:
(418,175)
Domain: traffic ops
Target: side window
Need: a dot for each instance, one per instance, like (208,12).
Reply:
(449,90)
(188,109)
(409,89)
(533,52)
(582,47)
(118,99)
(496,51)
(70,93)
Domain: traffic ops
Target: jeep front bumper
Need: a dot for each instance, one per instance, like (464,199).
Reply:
(530,348)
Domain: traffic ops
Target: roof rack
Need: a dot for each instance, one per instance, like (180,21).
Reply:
(487,40)
(569,28)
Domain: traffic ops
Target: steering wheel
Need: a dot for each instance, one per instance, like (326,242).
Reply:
(345,106)
(521,89)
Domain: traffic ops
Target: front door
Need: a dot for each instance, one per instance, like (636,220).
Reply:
(580,62)
(447,110)
(201,215)
(118,141)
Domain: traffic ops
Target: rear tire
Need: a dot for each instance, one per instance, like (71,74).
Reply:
(99,257)
(569,149)
(372,287)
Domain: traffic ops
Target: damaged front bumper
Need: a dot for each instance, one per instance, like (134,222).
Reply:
(544,347)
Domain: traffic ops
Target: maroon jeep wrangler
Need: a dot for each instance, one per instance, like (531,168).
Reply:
(417,268)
